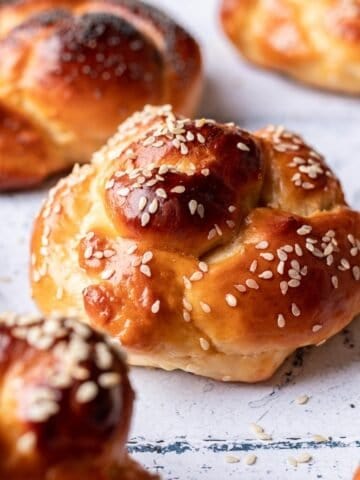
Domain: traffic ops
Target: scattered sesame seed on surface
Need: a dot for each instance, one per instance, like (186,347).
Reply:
(205,307)
(155,307)
(204,344)
(231,300)
(302,399)
(231,459)
(244,148)
(262,245)
(87,392)
(281,321)
(250,459)
(319,438)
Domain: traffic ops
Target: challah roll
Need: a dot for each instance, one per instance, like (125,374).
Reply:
(66,403)
(314,42)
(201,246)
(72,70)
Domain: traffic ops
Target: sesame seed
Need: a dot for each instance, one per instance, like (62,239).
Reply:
(178,189)
(190,136)
(160,192)
(187,282)
(230,223)
(231,300)
(262,245)
(203,266)
(154,205)
(193,206)
(201,210)
(145,219)
(281,268)
(316,328)
(282,255)
(142,203)
(26,443)
(123,192)
(205,172)
(351,239)
(253,266)
(292,461)
(184,149)
(307,186)
(304,457)
(147,257)
(205,307)
(232,208)
(320,438)
(244,148)
(267,256)
(108,253)
(298,250)
(155,307)
(131,249)
(304,230)
(335,281)
(187,305)
(295,310)
(345,264)
(255,428)
(250,459)
(250,283)
(240,288)
(302,399)
(109,379)
(86,392)
(145,270)
(204,344)
(218,229)
(356,273)
(88,252)
(196,276)
(201,138)
(231,459)
(186,316)
(107,273)
(281,321)
(265,437)
(294,283)
(266,275)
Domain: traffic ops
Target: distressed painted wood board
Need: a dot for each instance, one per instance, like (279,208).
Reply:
(185,426)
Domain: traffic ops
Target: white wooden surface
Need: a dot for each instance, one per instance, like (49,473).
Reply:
(184,425)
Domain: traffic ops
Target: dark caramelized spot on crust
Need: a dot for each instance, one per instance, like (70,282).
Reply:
(224,176)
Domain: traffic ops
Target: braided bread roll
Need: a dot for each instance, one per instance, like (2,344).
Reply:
(315,42)
(72,70)
(66,403)
(201,246)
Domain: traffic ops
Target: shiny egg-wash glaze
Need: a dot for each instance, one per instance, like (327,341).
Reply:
(66,403)
(201,246)
(72,70)
(314,42)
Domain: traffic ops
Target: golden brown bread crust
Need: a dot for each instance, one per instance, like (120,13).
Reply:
(201,246)
(314,42)
(66,403)
(71,71)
